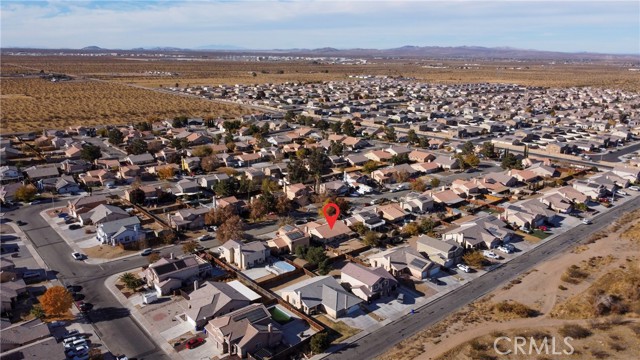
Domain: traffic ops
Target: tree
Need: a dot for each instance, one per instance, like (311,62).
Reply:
(488,150)
(180,144)
(166,172)
(90,153)
(435,182)
(189,247)
(56,301)
(319,342)
(400,159)
(136,196)
(390,134)
(209,163)
(424,142)
(131,281)
(286,220)
(315,255)
(401,176)
(179,121)
(411,229)
(324,267)
(510,161)
(283,205)
(115,137)
(369,167)
(103,132)
(472,160)
(222,188)
(468,148)
(412,136)
(202,151)
(371,238)
(231,229)
(426,226)
(259,208)
(297,171)
(418,185)
(343,205)
(474,259)
(37,311)
(348,128)
(25,193)
(359,228)
(137,147)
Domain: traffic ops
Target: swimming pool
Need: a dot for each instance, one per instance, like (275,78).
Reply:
(283,266)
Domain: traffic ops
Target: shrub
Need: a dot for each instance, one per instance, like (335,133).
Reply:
(575,331)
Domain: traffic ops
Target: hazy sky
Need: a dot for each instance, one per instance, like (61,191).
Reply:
(606,27)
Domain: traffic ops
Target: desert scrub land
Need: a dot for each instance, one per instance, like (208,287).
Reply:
(207,71)
(33,104)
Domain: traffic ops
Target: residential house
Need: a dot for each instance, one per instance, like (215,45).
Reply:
(367,217)
(190,164)
(575,196)
(417,203)
(100,177)
(557,203)
(322,232)
(9,174)
(210,181)
(336,187)
(28,340)
(248,159)
(10,291)
(392,212)
(8,192)
(142,159)
(444,253)
(289,238)
(321,294)
(129,173)
(378,155)
(368,283)
(65,184)
(530,214)
(105,213)
(404,260)
(468,188)
(421,156)
(244,255)
(236,205)
(85,204)
(298,192)
(447,162)
(39,172)
(210,300)
(188,218)
(486,232)
(166,275)
(245,332)
(122,231)
(187,187)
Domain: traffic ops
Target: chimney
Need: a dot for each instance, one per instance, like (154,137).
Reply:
(269,327)
(195,284)
(171,256)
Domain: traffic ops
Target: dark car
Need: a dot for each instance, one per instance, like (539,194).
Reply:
(74,288)
(21,223)
(74,227)
(77,296)
(194,343)
(86,307)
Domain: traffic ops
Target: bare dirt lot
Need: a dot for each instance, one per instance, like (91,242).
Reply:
(548,302)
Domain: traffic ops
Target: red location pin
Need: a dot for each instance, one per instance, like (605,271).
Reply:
(331,219)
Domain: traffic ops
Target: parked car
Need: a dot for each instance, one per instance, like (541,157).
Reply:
(74,226)
(204,237)
(400,298)
(505,249)
(77,296)
(634,188)
(74,288)
(586,221)
(490,254)
(376,201)
(464,268)
(69,340)
(77,256)
(194,343)
(57,324)
(77,351)
(75,343)
(620,192)
(21,223)
(146,252)
(84,307)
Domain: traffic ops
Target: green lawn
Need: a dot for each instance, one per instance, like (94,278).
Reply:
(540,234)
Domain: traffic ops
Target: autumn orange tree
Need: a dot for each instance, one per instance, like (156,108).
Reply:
(56,301)
(166,173)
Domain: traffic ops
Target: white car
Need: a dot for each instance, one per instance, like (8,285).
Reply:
(77,256)
(204,237)
(464,268)
(586,221)
(490,254)
(146,252)
(620,192)
(504,249)
(634,188)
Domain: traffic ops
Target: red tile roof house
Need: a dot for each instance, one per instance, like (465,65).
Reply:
(404,260)
(166,275)
(322,232)
(244,332)
(210,300)
(368,283)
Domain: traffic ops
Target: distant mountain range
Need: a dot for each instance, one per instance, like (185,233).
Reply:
(408,51)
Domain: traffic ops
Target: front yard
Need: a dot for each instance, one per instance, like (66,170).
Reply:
(107,252)
(339,331)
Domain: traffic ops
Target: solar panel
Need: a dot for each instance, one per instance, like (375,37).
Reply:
(253,315)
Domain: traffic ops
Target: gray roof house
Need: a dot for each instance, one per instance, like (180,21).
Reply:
(123,231)
(213,299)
(321,293)
(368,283)
(443,253)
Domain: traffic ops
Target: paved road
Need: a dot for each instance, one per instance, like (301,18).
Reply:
(112,322)
(380,340)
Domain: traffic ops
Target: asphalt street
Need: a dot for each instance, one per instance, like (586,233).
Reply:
(377,342)
(112,322)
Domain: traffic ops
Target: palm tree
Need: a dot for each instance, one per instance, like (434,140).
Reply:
(130,280)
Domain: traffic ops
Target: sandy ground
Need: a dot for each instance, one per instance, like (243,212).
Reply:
(538,289)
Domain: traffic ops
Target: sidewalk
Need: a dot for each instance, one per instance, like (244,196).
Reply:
(135,314)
